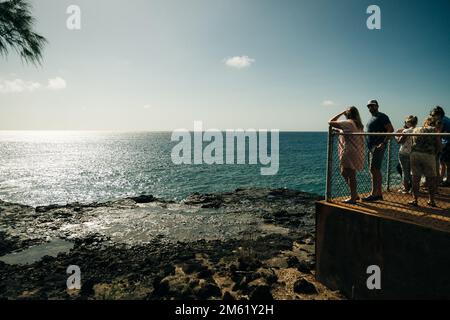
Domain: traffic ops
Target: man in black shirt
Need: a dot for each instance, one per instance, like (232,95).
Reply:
(377,147)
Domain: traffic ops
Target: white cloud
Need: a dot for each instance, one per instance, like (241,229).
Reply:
(239,62)
(147,106)
(328,103)
(56,83)
(17,86)
(20,86)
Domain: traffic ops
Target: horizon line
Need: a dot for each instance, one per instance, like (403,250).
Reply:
(143,131)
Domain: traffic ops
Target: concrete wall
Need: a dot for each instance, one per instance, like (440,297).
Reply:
(414,260)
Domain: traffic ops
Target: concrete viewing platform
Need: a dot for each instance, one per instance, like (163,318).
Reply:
(410,245)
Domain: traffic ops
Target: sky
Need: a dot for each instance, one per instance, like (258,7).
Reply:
(158,65)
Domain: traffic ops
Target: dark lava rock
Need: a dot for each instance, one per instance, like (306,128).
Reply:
(6,245)
(237,277)
(154,261)
(292,262)
(305,287)
(240,285)
(261,293)
(208,291)
(205,274)
(143,198)
(168,270)
(161,288)
(213,204)
(62,214)
(252,276)
(192,267)
(184,256)
(194,283)
(270,276)
(248,263)
(205,200)
(41,209)
(87,288)
(280,213)
(304,267)
(228,296)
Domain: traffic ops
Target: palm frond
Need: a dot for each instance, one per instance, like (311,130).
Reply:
(16,31)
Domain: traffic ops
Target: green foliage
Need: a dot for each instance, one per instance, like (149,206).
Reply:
(16,31)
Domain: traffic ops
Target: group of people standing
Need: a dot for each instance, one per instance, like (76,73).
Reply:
(419,154)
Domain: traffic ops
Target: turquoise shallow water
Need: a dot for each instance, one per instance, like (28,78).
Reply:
(41,168)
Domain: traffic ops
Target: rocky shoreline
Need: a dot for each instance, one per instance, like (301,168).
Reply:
(248,244)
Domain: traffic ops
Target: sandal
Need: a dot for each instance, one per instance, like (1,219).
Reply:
(372,198)
(413,203)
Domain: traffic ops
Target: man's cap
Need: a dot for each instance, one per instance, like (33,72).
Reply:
(372,102)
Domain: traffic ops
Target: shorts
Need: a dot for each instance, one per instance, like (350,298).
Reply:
(423,164)
(445,154)
(376,158)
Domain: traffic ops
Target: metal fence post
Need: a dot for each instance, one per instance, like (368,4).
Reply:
(388,166)
(329,165)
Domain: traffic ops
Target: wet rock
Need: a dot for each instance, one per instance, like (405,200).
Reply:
(303,286)
(143,199)
(153,262)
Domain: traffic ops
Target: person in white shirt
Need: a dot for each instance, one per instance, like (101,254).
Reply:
(405,151)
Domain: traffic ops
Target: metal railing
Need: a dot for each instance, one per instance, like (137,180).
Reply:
(336,187)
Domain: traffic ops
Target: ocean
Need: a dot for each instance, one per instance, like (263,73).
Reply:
(58,167)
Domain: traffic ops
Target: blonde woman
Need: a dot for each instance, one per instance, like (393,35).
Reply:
(351,148)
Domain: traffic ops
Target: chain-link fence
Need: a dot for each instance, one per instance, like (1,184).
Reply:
(394,192)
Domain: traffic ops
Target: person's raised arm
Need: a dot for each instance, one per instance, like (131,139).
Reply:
(333,121)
